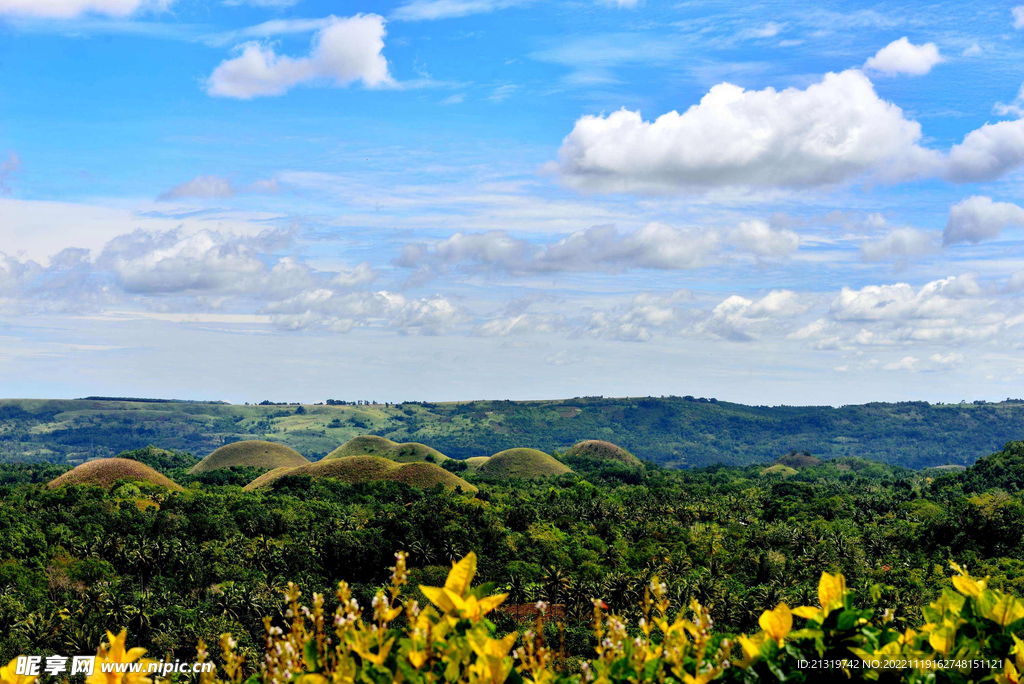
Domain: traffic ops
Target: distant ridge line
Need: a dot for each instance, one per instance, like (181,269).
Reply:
(146,400)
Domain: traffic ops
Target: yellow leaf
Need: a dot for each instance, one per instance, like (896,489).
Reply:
(417,658)
(943,638)
(483,645)
(438,597)
(380,656)
(751,648)
(115,651)
(831,589)
(457,601)
(808,613)
(491,602)
(968,586)
(311,678)
(777,623)
(1000,608)
(8,676)
(461,575)
(1018,653)
(1010,674)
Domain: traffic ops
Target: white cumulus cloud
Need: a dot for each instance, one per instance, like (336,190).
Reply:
(830,132)
(948,360)
(907,363)
(900,244)
(343,52)
(738,319)
(834,131)
(763,240)
(637,320)
(903,57)
(327,309)
(987,153)
(939,299)
(1014,108)
(652,246)
(978,218)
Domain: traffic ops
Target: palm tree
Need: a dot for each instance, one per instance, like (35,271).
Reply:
(622,591)
(421,552)
(579,599)
(517,592)
(556,582)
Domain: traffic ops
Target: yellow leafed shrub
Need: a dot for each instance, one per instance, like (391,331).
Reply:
(969,634)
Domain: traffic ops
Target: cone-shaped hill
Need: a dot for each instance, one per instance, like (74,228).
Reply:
(475,462)
(779,469)
(104,472)
(251,453)
(369,468)
(524,463)
(598,451)
(798,459)
(371,445)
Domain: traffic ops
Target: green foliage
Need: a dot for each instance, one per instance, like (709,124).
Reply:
(161,459)
(175,566)
(454,466)
(234,476)
(1004,469)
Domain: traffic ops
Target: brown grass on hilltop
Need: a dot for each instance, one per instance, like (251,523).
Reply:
(369,468)
(599,450)
(104,472)
(524,463)
(798,459)
(372,445)
(253,453)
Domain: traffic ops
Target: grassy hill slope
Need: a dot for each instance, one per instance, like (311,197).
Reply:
(599,451)
(524,463)
(105,472)
(368,468)
(252,453)
(371,445)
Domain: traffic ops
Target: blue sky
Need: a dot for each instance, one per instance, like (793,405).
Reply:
(453,199)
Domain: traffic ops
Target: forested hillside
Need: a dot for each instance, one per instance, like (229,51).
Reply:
(673,431)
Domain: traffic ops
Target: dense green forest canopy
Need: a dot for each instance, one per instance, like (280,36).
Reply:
(672,431)
(176,566)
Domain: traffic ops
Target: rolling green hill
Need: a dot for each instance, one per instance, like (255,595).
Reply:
(528,464)
(673,431)
(105,472)
(250,453)
(369,468)
(598,451)
(371,445)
